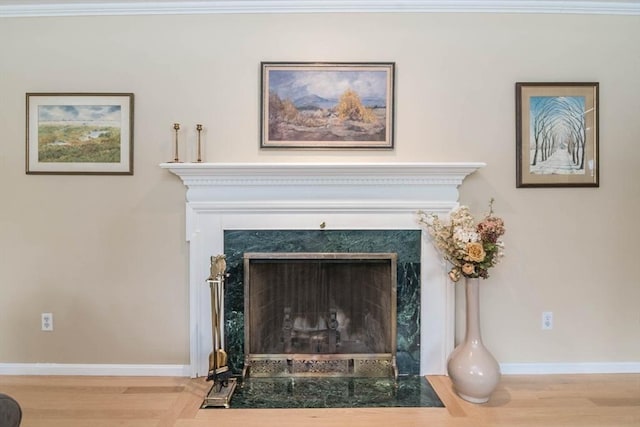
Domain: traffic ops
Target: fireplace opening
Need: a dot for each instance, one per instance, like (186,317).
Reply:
(320,314)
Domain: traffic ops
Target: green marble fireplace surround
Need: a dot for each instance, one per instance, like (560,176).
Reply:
(405,243)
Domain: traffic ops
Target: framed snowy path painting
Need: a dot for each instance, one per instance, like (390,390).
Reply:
(557,135)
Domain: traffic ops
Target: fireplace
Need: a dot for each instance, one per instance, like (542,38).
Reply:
(320,314)
(224,197)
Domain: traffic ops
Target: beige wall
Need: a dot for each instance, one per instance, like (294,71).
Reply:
(107,255)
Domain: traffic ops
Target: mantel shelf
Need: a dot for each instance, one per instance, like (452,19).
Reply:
(331,173)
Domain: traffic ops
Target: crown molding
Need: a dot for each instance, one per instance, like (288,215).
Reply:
(76,8)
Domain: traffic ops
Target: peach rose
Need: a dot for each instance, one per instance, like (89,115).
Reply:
(468,269)
(476,252)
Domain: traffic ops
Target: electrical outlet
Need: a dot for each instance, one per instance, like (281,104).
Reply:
(47,321)
(547,320)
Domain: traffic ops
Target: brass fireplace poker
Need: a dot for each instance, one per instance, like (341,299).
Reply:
(219,372)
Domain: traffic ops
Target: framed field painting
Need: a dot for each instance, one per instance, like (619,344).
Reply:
(80,133)
(327,105)
(557,135)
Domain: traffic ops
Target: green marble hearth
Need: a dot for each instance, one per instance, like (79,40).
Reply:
(406,243)
(410,391)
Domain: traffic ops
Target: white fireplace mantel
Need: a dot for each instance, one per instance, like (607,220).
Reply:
(299,196)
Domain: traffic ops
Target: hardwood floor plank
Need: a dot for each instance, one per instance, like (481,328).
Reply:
(616,401)
(153,389)
(338,417)
(443,388)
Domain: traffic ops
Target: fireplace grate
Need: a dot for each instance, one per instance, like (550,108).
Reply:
(356,366)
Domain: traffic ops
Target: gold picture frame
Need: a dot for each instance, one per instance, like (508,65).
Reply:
(327,105)
(557,135)
(79,133)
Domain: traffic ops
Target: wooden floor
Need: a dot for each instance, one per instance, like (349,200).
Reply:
(541,400)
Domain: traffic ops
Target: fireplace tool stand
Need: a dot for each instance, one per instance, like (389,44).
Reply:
(223,382)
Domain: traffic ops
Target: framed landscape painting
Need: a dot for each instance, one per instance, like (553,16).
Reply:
(80,133)
(557,135)
(327,105)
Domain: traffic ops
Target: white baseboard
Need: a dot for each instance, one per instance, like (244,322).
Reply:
(95,369)
(570,368)
(185,370)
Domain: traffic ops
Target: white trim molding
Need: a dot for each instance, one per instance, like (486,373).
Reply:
(94,369)
(120,7)
(570,368)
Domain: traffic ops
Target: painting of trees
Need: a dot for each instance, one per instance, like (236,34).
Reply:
(350,108)
(558,135)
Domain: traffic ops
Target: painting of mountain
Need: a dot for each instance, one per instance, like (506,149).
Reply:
(329,105)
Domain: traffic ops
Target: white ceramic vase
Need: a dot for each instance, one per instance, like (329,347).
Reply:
(473,370)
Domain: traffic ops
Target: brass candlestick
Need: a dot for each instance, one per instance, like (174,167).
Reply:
(199,129)
(176,127)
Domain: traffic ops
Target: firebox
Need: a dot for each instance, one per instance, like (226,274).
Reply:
(320,314)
